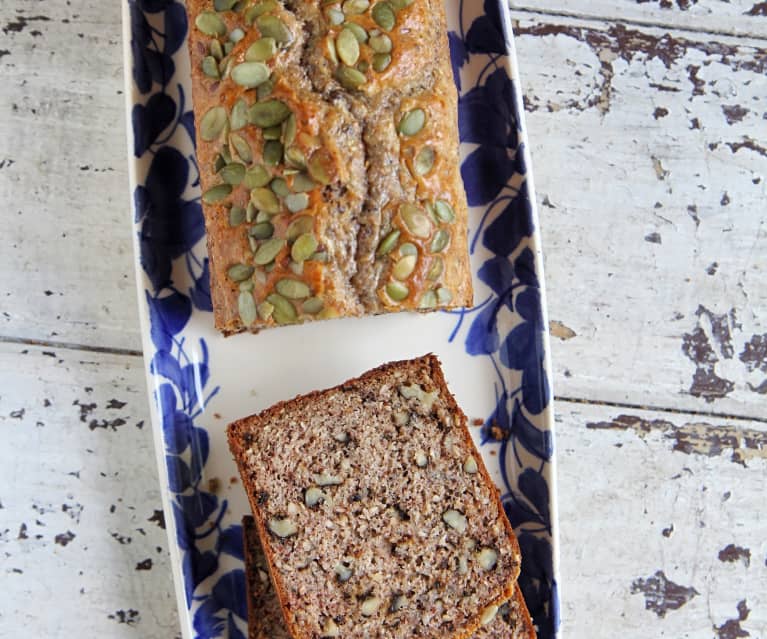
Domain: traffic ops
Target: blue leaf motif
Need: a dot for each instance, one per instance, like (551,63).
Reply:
(207,624)
(458,56)
(197,508)
(529,307)
(518,349)
(195,377)
(534,487)
(486,34)
(485,172)
(537,441)
(175,27)
(161,67)
(167,317)
(183,534)
(234,631)
(498,274)
(205,564)
(500,418)
(165,365)
(179,476)
(151,120)
(483,338)
(230,541)
(485,115)
(229,591)
(534,579)
(200,449)
(141,203)
(200,293)
(513,224)
(154,6)
(141,36)
(524,268)
(535,386)
(519,513)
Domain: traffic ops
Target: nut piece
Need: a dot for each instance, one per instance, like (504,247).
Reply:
(283,527)
(343,572)
(463,565)
(313,496)
(414,391)
(330,629)
(455,519)
(421,460)
(487,558)
(397,603)
(326,479)
(488,614)
(370,606)
(342,437)
(470,465)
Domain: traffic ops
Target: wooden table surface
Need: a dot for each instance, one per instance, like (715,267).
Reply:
(648,128)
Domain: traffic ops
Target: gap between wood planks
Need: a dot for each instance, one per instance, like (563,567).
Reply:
(107,350)
(633,22)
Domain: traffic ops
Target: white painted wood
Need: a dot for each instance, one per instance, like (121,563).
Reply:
(66,265)
(619,490)
(734,17)
(80,539)
(652,206)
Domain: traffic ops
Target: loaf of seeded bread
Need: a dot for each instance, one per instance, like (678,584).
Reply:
(375,510)
(327,150)
(265,619)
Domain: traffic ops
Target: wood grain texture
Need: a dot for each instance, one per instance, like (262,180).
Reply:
(650,158)
(81,525)
(67,258)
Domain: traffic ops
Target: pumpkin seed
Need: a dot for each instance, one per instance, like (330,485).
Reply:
(216,50)
(239,117)
(350,78)
(444,296)
(302,183)
(284,312)
(455,519)
(303,247)
(381,43)
(397,291)
(297,267)
(272,152)
(225,154)
(213,123)
(347,47)
(233,173)
(334,16)
(404,267)
(370,606)
(236,35)
(416,220)
(264,90)
(265,200)
(217,193)
(387,244)
(262,216)
(399,5)
(384,16)
(408,249)
(239,272)
(259,9)
(412,122)
(279,186)
(381,61)
(268,251)
(358,31)
(424,161)
(253,244)
(439,241)
(224,5)
(246,286)
(269,113)
(247,307)
(265,310)
(273,27)
(210,24)
(236,215)
(320,256)
(330,45)
(428,300)
(250,210)
(242,148)
(228,46)
(225,66)
(444,211)
(355,7)
(312,305)
(295,157)
(261,231)
(299,226)
(261,50)
(272,133)
(210,67)
(292,289)
(256,176)
(316,167)
(436,268)
(488,614)
(218,163)
(289,130)
(363,66)
(250,74)
(296,202)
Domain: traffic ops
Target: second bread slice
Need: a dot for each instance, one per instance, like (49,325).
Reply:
(377,516)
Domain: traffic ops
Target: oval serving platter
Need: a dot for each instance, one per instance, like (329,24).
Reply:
(495,355)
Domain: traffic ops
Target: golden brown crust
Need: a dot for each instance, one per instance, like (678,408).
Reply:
(239,438)
(335,183)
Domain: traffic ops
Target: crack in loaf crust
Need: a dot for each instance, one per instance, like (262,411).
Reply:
(375,510)
(266,621)
(342,196)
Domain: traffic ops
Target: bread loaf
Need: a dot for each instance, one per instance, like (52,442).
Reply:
(376,513)
(327,151)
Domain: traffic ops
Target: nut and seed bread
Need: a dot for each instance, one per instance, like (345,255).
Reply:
(327,150)
(375,511)
(265,619)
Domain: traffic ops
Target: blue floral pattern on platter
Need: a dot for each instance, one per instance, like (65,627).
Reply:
(506,326)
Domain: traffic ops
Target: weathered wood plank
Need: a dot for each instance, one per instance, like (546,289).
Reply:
(734,17)
(662,533)
(67,256)
(82,533)
(650,158)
